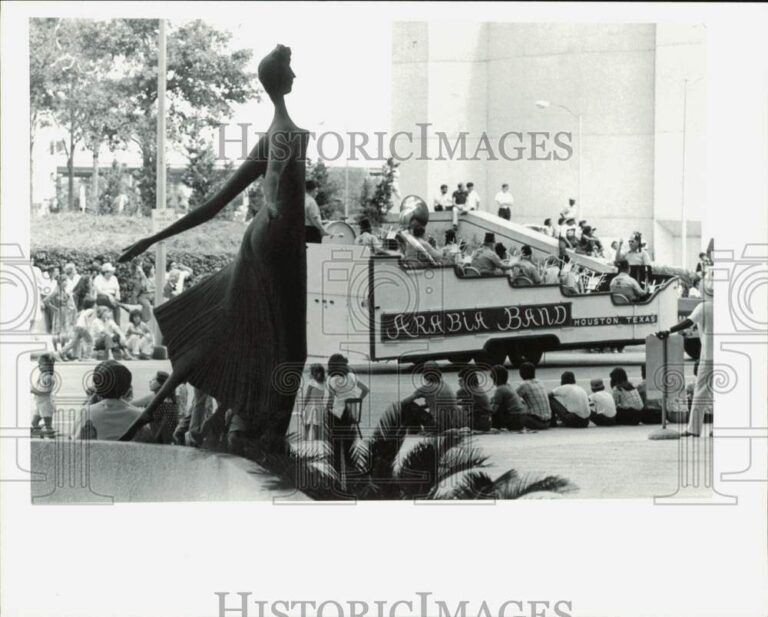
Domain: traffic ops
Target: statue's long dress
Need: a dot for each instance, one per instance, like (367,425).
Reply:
(246,324)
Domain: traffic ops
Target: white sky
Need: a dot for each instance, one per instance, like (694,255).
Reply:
(342,73)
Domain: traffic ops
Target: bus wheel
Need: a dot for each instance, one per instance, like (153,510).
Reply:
(692,346)
(491,355)
(518,355)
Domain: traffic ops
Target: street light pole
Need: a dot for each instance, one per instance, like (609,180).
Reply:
(160,189)
(684,213)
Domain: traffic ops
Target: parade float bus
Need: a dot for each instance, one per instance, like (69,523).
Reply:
(382,308)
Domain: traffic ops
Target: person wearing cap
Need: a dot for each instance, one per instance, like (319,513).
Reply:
(702,316)
(418,249)
(107,289)
(110,417)
(504,202)
(366,237)
(525,269)
(569,403)
(623,284)
(602,407)
(439,398)
(485,260)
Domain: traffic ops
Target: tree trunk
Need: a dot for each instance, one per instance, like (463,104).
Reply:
(95,178)
(71,171)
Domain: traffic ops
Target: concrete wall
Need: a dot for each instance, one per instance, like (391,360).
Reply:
(486,78)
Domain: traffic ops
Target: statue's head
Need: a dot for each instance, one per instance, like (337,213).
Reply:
(275,71)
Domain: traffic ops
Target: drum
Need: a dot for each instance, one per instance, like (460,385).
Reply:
(343,232)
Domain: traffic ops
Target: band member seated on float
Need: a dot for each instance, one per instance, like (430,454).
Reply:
(525,270)
(625,285)
(418,250)
(367,239)
(486,261)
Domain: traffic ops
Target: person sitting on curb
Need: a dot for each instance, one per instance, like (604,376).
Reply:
(569,403)
(440,402)
(535,397)
(602,407)
(473,400)
(107,335)
(651,413)
(629,405)
(508,408)
(111,417)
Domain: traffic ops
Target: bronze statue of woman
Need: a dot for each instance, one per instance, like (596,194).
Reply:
(240,334)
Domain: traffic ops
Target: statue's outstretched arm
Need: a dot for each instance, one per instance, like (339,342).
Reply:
(253,168)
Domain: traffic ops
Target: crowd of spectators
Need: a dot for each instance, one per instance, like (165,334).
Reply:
(83,311)
(527,405)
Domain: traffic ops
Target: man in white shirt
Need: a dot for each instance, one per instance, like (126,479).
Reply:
(472,203)
(602,407)
(107,289)
(625,285)
(569,402)
(442,201)
(703,317)
(504,202)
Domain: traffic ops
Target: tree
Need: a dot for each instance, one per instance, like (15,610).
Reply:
(375,201)
(204,80)
(329,189)
(70,79)
(202,174)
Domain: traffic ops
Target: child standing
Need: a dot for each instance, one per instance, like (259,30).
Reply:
(314,408)
(42,393)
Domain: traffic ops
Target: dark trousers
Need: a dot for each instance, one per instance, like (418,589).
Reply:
(535,422)
(505,213)
(342,434)
(566,417)
(601,420)
(416,418)
(650,415)
(509,420)
(313,235)
(628,417)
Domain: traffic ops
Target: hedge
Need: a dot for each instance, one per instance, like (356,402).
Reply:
(202,265)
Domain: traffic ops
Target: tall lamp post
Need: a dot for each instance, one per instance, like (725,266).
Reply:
(542,104)
(160,189)
(684,211)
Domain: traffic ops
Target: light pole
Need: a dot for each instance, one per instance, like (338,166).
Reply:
(684,210)
(160,188)
(542,104)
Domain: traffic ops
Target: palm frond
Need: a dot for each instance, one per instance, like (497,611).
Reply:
(459,459)
(464,485)
(512,486)
(417,469)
